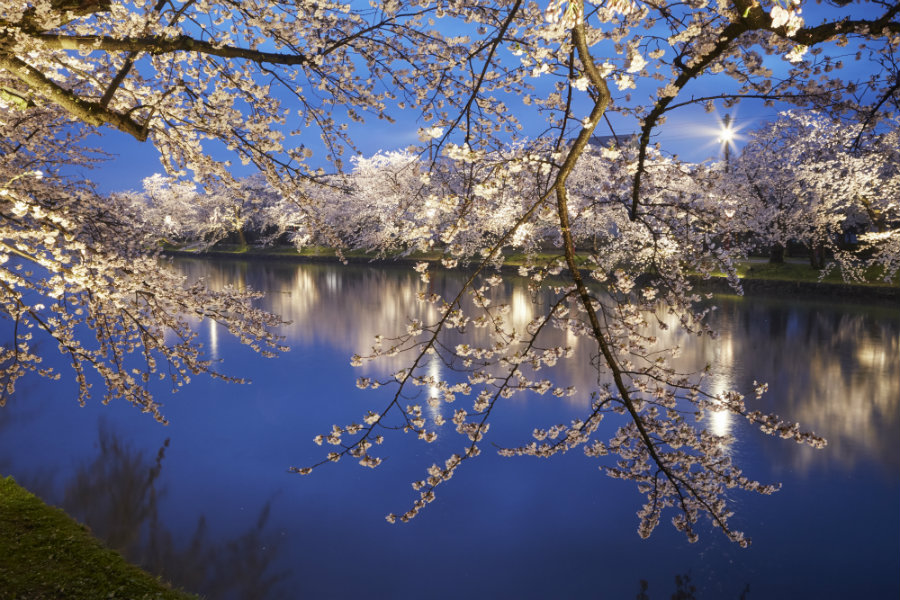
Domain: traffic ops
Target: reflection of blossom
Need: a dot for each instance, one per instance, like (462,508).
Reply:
(856,402)
(841,378)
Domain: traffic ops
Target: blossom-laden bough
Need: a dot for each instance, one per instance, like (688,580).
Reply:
(73,262)
(609,300)
(254,79)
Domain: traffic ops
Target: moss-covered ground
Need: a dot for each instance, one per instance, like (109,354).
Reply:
(45,554)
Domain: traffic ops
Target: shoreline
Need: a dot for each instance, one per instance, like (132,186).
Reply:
(715,284)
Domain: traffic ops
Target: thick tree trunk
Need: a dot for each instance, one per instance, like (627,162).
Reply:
(776,254)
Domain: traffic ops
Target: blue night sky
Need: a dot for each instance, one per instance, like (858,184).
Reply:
(690,133)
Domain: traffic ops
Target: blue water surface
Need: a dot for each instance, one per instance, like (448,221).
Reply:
(208,501)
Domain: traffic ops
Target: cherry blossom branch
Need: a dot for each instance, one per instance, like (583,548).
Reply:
(168,45)
(475,431)
(873,112)
(91,113)
(488,64)
(587,302)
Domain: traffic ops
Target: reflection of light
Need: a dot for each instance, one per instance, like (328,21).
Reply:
(720,422)
(213,339)
(725,356)
(851,397)
(434,371)
(871,355)
(571,339)
(333,281)
(434,395)
(521,308)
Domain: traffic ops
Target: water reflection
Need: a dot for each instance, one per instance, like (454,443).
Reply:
(835,372)
(215,510)
(834,369)
(117,495)
(720,422)
(213,339)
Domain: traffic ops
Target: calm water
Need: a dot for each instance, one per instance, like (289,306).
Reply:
(207,501)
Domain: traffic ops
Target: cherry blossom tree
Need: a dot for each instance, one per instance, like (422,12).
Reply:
(167,206)
(254,80)
(842,176)
(180,214)
(382,203)
(240,210)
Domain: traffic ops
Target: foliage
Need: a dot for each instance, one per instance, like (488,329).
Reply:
(800,272)
(48,555)
(255,79)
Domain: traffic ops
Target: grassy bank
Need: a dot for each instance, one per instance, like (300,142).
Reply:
(800,272)
(44,554)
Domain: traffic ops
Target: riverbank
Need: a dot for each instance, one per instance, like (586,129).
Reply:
(758,276)
(48,555)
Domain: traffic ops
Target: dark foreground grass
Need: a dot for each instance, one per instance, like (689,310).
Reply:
(44,554)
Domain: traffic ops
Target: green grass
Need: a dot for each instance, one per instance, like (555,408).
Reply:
(510,258)
(44,554)
(799,272)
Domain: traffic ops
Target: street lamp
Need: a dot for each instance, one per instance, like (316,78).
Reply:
(726,137)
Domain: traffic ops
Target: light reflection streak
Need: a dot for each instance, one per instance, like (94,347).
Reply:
(840,378)
(721,422)
(521,309)
(213,339)
(434,403)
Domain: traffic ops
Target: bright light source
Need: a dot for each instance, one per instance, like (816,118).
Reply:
(726,135)
(726,132)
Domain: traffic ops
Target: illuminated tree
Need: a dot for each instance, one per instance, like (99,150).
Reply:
(254,79)
(840,177)
(168,207)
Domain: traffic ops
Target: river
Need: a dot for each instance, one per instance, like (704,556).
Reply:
(209,503)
